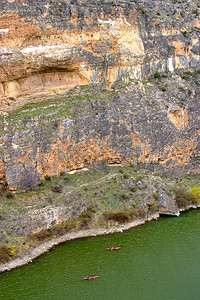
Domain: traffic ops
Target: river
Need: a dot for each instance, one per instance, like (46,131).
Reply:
(157,261)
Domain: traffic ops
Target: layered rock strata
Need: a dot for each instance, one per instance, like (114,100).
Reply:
(133,123)
(53,45)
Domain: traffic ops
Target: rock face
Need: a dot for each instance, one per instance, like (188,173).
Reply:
(53,45)
(134,123)
(49,46)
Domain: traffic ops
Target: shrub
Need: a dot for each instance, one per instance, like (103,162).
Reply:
(164,89)
(124,196)
(4,186)
(57,189)
(141,213)
(121,217)
(58,229)
(156,196)
(153,206)
(184,33)
(83,222)
(133,213)
(188,73)
(86,214)
(47,178)
(67,178)
(157,75)
(9,195)
(126,175)
(195,193)
(183,196)
(181,89)
(195,11)
(4,254)
(42,235)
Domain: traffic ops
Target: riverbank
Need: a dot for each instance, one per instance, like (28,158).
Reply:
(38,251)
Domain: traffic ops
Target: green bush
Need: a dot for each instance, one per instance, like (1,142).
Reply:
(124,216)
(126,175)
(83,222)
(164,89)
(9,195)
(156,196)
(184,33)
(4,254)
(42,235)
(86,214)
(4,187)
(195,11)
(157,75)
(183,195)
(57,189)
(141,213)
(124,196)
(195,193)
(121,217)
(47,178)
(153,206)
(67,178)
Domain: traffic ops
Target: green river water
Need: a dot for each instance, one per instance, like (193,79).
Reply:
(157,261)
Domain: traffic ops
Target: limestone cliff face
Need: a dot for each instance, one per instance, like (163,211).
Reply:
(135,123)
(53,45)
(50,46)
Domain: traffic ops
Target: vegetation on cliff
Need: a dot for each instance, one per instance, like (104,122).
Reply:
(104,196)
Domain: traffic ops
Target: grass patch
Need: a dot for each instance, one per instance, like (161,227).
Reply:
(62,107)
(93,199)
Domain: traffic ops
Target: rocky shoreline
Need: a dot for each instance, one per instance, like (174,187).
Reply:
(38,251)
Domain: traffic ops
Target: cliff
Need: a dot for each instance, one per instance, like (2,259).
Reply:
(153,123)
(54,45)
(87,85)
(141,59)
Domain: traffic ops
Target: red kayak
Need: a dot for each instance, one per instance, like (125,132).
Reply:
(113,248)
(90,277)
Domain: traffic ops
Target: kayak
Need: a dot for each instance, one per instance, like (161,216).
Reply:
(91,277)
(113,248)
